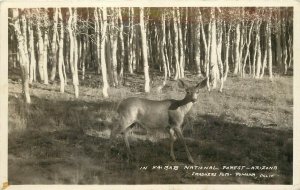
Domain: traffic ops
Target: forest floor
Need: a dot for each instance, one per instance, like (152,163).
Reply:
(62,140)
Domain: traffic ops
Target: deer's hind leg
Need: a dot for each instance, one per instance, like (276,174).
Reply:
(123,127)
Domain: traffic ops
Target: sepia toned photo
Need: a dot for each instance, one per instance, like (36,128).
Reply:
(131,95)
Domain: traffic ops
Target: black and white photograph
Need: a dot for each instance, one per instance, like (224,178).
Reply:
(150,95)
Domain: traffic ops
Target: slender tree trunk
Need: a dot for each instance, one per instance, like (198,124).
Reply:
(258,58)
(53,55)
(213,70)
(131,45)
(61,54)
(75,56)
(248,42)
(255,51)
(122,50)
(45,56)
(23,59)
(32,71)
(284,45)
(170,49)
(137,50)
(197,47)
(264,64)
(40,51)
(227,44)
(237,49)
(176,51)
(109,52)
(102,51)
(242,41)
(206,49)
(278,41)
(97,39)
(144,50)
(162,48)
(219,53)
(85,49)
(114,44)
(180,44)
(269,45)
(24,32)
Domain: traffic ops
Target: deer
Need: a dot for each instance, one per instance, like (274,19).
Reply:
(165,114)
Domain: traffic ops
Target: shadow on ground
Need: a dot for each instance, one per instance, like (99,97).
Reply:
(50,143)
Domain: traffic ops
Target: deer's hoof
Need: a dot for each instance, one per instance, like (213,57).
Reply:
(173,158)
(191,160)
(130,158)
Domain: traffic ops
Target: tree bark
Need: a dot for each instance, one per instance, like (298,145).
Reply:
(176,47)
(32,70)
(40,50)
(61,53)
(162,48)
(278,41)
(23,59)
(269,45)
(122,50)
(227,44)
(130,41)
(258,58)
(197,47)
(53,55)
(284,43)
(102,53)
(237,48)
(206,49)
(248,43)
(219,53)
(144,50)
(213,51)
(180,44)
(45,56)
(114,39)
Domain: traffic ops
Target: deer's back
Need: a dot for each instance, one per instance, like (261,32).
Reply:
(149,113)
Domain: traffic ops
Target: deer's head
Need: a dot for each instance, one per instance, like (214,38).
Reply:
(192,92)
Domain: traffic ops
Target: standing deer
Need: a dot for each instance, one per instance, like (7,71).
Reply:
(151,114)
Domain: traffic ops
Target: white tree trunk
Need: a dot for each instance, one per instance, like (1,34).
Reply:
(258,58)
(122,53)
(144,49)
(45,56)
(269,47)
(180,44)
(32,67)
(40,51)
(61,53)
(54,46)
(176,51)
(102,51)
(23,58)
(237,49)
(213,51)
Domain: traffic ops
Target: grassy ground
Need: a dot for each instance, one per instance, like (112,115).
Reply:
(62,140)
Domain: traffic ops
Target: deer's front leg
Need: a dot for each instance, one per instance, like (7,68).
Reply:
(180,136)
(172,139)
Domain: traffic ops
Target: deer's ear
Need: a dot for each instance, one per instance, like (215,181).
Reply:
(181,84)
(202,84)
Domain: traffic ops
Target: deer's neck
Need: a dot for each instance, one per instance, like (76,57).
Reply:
(185,104)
